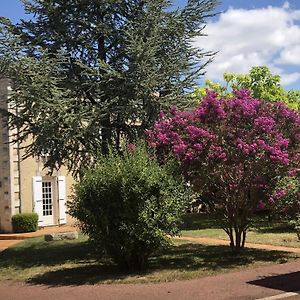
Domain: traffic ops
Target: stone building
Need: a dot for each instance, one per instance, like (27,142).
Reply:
(24,184)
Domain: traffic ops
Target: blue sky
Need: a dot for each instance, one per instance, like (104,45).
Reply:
(245,34)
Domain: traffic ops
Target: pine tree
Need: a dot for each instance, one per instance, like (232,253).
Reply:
(88,74)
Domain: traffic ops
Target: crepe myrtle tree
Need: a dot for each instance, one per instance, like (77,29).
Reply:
(233,151)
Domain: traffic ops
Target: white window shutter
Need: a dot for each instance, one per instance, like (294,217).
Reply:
(62,199)
(38,197)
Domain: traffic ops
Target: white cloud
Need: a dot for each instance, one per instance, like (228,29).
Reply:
(287,79)
(286,5)
(290,56)
(245,38)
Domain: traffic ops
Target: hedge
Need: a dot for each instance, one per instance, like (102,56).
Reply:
(25,222)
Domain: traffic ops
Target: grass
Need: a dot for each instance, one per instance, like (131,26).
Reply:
(75,263)
(277,233)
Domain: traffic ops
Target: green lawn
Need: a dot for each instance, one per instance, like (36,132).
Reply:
(75,262)
(262,231)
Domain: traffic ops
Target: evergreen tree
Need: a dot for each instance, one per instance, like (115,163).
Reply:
(89,73)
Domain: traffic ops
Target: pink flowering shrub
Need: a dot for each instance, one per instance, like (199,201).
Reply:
(232,150)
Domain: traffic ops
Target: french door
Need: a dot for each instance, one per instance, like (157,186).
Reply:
(47,198)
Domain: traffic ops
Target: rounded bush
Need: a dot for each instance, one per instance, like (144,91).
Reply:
(25,222)
(128,204)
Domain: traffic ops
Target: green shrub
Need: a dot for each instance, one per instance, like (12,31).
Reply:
(286,200)
(25,222)
(128,204)
(296,224)
(286,197)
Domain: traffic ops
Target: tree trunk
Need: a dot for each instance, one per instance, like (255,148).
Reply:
(238,235)
(106,134)
(244,238)
(230,234)
(237,238)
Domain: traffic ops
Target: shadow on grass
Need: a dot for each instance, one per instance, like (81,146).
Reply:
(259,223)
(286,282)
(190,257)
(36,253)
(86,274)
(282,228)
(83,266)
(272,227)
(195,221)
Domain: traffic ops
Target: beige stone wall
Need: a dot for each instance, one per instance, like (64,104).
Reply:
(34,167)
(16,188)
(6,190)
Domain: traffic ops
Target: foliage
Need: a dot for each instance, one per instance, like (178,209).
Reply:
(260,81)
(25,222)
(297,226)
(93,71)
(128,204)
(232,150)
(286,197)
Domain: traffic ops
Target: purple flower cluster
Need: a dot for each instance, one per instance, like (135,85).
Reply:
(277,195)
(196,132)
(131,147)
(261,205)
(246,148)
(217,152)
(293,172)
(238,139)
(265,124)
(211,109)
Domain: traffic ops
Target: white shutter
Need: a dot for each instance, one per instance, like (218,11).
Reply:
(38,197)
(62,199)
